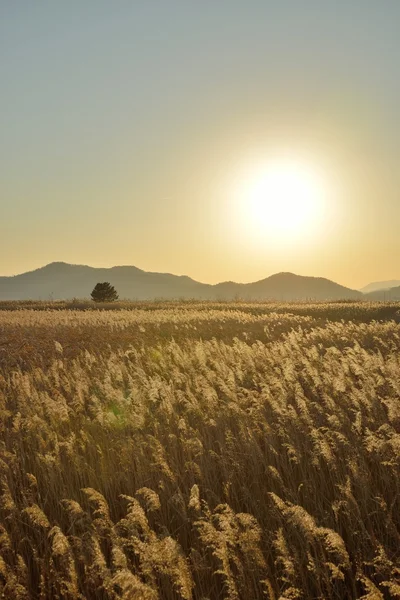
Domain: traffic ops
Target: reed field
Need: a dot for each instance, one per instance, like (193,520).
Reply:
(201,451)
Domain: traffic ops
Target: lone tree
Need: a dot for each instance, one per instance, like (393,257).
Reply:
(104,292)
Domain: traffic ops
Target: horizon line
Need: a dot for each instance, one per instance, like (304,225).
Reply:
(62,262)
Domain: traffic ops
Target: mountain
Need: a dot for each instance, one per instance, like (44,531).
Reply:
(380,285)
(61,281)
(384,295)
(287,286)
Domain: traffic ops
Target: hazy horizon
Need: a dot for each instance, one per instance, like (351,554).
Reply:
(129,129)
(318,276)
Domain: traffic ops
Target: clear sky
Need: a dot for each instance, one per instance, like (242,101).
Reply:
(125,127)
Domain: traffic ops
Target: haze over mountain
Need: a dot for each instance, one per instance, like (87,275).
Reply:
(384,295)
(62,281)
(380,285)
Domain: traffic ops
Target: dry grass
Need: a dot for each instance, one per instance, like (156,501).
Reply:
(200,451)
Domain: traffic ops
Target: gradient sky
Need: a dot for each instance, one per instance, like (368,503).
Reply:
(123,125)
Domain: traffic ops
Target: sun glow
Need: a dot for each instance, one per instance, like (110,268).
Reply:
(283,199)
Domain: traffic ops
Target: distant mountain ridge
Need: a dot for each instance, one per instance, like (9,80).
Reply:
(380,286)
(63,281)
(386,295)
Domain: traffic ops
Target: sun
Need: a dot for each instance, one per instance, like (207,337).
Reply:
(284,199)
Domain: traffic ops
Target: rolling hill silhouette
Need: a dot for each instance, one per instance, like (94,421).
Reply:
(62,281)
(384,295)
(378,286)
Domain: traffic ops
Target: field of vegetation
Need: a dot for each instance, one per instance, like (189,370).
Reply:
(200,451)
